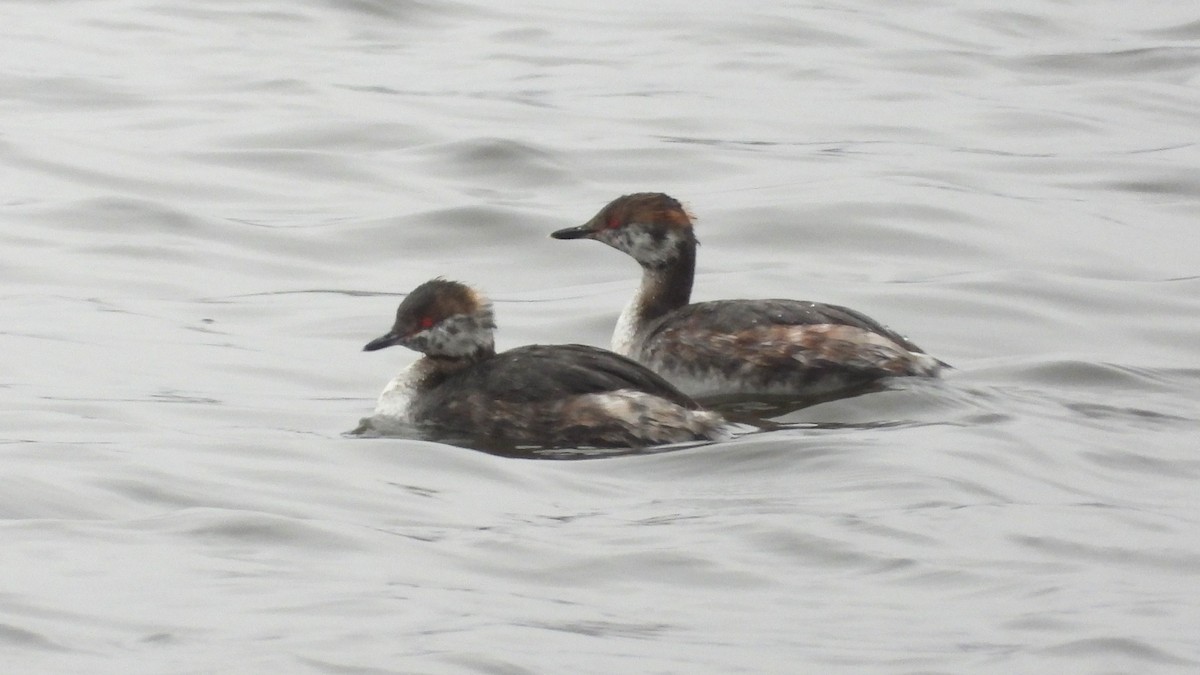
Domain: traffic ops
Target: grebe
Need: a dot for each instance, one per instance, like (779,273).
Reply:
(543,395)
(785,347)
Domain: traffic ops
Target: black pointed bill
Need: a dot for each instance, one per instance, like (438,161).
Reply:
(382,341)
(580,232)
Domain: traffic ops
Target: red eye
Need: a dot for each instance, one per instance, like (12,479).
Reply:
(426,322)
(613,223)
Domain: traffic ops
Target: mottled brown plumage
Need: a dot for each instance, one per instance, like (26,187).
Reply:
(735,346)
(540,395)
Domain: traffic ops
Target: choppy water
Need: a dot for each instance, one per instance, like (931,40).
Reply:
(208,208)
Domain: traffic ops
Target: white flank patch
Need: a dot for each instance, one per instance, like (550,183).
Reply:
(930,365)
(654,418)
(618,404)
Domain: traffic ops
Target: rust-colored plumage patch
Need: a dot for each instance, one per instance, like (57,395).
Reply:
(773,347)
(650,207)
(435,301)
(830,343)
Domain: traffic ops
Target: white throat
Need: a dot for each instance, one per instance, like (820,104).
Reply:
(627,325)
(630,323)
(397,397)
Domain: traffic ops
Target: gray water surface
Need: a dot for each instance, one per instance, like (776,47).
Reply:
(208,208)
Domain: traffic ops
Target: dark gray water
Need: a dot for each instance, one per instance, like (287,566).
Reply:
(209,207)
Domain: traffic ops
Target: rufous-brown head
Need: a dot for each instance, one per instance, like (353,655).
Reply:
(442,318)
(652,227)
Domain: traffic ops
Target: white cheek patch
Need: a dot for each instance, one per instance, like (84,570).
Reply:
(637,240)
(460,335)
